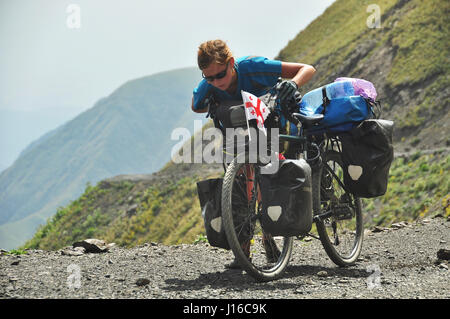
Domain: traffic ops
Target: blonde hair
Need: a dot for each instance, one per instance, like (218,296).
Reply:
(213,51)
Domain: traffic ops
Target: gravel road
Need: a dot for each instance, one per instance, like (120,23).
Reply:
(399,262)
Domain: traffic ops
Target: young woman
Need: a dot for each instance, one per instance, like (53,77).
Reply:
(226,76)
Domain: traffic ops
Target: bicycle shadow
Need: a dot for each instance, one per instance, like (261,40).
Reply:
(336,272)
(238,280)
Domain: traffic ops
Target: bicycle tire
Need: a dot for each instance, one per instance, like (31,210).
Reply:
(254,265)
(354,232)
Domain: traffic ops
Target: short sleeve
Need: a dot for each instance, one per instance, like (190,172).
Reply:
(261,70)
(200,93)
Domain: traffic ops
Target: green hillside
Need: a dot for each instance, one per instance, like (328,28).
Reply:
(127,132)
(165,212)
(134,209)
(408,61)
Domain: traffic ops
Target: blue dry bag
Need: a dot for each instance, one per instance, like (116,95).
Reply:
(342,109)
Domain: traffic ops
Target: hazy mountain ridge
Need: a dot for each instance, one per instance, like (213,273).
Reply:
(127,132)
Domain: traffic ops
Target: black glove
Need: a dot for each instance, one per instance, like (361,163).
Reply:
(211,103)
(286,90)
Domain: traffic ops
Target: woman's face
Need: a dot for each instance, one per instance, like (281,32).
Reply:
(219,75)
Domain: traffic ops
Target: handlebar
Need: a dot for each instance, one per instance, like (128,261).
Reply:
(289,109)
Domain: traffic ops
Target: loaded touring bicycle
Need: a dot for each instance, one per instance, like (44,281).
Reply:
(338,152)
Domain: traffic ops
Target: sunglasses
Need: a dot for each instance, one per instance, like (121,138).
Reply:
(218,76)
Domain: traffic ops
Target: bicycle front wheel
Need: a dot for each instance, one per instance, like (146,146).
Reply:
(338,215)
(261,255)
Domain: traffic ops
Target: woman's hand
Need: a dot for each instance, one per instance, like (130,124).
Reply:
(286,90)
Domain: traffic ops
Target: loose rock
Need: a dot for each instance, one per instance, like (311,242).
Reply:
(93,245)
(443,254)
(378,229)
(71,251)
(142,282)
(399,225)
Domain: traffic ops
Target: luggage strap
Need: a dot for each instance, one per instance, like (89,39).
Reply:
(325,99)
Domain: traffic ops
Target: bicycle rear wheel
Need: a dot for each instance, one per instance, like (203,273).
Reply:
(338,215)
(261,255)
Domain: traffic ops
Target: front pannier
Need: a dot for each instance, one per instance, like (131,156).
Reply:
(210,196)
(287,199)
(367,154)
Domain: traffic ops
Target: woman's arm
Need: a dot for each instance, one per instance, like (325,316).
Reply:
(298,72)
(198,111)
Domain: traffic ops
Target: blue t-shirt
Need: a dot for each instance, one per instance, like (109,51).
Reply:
(255,75)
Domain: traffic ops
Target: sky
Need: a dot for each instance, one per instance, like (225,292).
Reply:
(58,57)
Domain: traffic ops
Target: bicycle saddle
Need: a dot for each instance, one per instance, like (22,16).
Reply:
(308,120)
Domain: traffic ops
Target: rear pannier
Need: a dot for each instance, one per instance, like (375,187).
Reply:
(367,154)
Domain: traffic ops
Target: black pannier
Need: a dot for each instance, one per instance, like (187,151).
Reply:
(210,196)
(287,199)
(367,154)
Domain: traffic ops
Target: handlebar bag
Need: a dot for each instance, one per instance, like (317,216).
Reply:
(367,154)
(287,199)
(231,114)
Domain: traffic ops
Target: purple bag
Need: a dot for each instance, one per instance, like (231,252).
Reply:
(362,87)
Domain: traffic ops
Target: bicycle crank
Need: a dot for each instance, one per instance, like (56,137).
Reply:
(339,212)
(342,212)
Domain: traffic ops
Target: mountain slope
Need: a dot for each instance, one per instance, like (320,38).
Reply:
(127,132)
(408,60)
(415,93)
